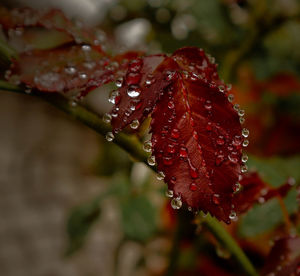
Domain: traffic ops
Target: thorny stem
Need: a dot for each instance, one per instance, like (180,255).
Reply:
(132,145)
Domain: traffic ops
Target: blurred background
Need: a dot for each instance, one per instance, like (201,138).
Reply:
(73,204)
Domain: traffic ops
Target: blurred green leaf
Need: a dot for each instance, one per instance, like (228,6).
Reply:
(79,224)
(138,218)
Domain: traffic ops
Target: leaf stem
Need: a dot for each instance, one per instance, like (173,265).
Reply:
(228,242)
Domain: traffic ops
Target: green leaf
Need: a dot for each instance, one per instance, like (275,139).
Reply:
(138,218)
(81,220)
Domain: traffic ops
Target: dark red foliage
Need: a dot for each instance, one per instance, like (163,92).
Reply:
(54,19)
(196,133)
(284,258)
(254,189)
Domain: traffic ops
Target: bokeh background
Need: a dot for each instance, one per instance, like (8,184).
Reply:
(58,179)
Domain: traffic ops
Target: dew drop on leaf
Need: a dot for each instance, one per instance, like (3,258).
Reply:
(244,168)
(220,140)
(107,118)
(193,187)
(244,158)
(133,91)
(216,199)
(176,203)
(109,136)
(245,132)
(233,215)
(169,193)
(135,124)
(147,146)
(160,176)
(241,112)
(237,187)
(230,98)
(183,152)
(151,160)
(245,143)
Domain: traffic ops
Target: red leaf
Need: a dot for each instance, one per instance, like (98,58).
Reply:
(54,19)
(284,258)
(142,86)
(196,136)
(253,189)
(63,69)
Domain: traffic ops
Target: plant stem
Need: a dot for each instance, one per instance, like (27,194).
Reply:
(227,241)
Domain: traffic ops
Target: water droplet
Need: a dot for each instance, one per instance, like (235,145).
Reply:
(171,105)
(245,132)
(71,70)
(230,98)
(86,48)
(28,90)
(167,160)
(171,148)
(208,105)
(237,187)
(244,168)
(169,193)
(229,86)
(237,140)
(151,160)
(107,118)
(175,133)
(193,172)
(220,140)
(236,107)
(119,82)
(133,91)
(244,158)
(221,88)
(216,199)
(135,65)
(209,126)
(150,80)
(219,159)
(176,203)
(160,176)
(183,152)
(193,187)
(241,112)
(109,136)
(242,120)
(245,143)
(82,76)
(135,124)
(114,97)
(147,146)
(233,157)
(170,75)
(233,216)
